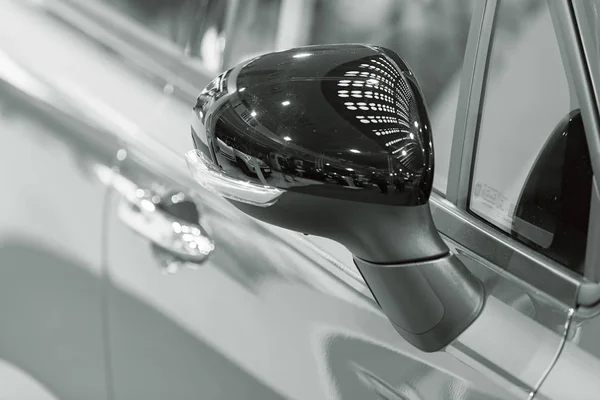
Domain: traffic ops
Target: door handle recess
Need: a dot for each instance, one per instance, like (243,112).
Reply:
(163,221)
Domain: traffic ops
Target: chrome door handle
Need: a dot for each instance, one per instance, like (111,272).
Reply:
(147,214)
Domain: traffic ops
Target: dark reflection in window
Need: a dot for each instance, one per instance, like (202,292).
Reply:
(553,210)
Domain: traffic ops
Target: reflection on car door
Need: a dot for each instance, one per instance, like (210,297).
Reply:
(51,275)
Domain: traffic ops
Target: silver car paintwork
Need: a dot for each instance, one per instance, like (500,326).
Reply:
(268,316)
(51,252)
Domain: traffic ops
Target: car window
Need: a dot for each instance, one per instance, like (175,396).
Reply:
(531,174)
(431,36)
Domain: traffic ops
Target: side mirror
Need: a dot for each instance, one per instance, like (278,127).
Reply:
(335,141)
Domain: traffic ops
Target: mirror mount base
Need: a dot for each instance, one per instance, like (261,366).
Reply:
(429,302)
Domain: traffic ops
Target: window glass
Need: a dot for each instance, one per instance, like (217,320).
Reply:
(431,36)
(532,175)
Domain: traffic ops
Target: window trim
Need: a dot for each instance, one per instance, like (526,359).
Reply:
(586,40)
(469,99)
(506,253)
(587,77)
(592,256)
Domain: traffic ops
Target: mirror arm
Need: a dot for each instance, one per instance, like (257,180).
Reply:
(429,302)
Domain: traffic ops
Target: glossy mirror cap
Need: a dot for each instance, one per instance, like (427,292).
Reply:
(331,140)
(344,121)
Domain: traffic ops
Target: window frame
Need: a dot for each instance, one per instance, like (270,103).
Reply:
(464,143)
(468,183)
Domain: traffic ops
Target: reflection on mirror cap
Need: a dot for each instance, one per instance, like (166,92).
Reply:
(210,177)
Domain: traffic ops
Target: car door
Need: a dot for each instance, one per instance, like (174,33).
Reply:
(260,312)
(264,315)
(51,265)
(269,314)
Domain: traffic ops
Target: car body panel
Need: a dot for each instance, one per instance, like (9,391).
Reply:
(270,305)
(515,321)
(51,281)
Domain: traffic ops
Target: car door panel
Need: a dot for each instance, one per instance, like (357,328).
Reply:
(574,375)
(153,165)
(579,360)
(520,330)
(258,308)
(266,302)
(51,266)
(118,96)
(515,307)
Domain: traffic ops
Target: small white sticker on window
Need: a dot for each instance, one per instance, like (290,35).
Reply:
(493,205)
